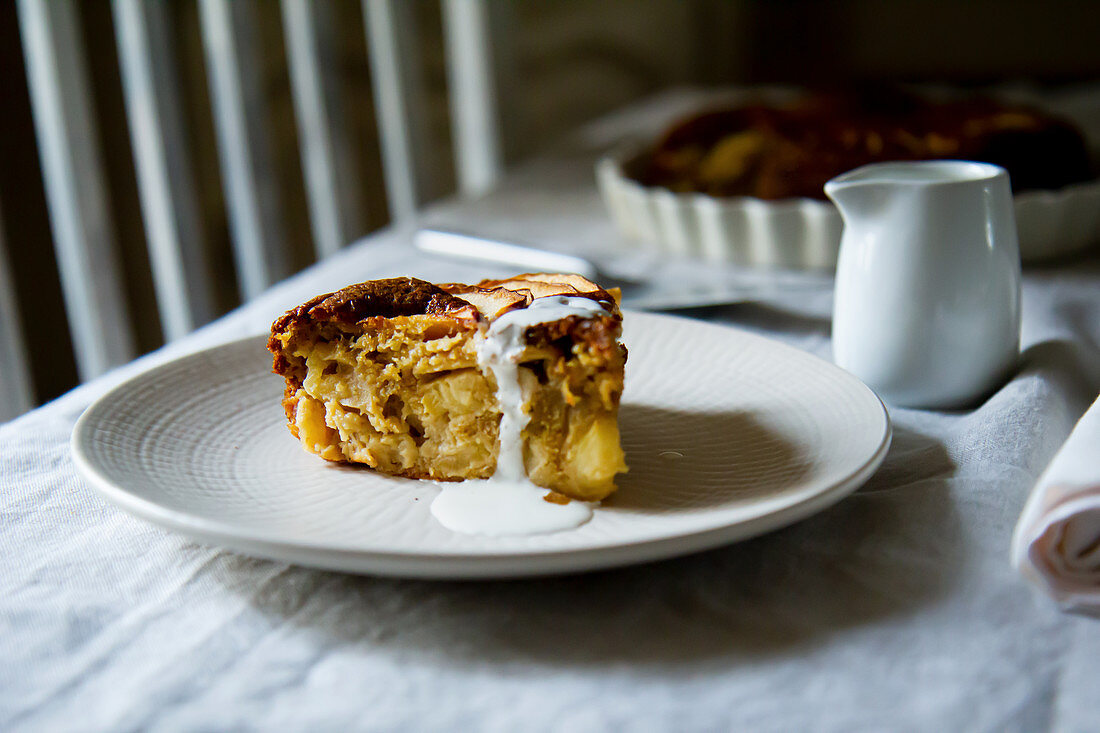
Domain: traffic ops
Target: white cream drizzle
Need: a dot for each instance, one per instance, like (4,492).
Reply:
(509,503)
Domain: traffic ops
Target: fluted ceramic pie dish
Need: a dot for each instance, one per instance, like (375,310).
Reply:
(788,229)
(804,233)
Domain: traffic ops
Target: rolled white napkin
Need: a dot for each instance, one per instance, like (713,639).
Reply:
(1057,540)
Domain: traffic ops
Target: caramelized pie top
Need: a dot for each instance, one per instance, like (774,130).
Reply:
(775,152)
(453,305)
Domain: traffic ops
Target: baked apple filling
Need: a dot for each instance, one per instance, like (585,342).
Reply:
(404,392)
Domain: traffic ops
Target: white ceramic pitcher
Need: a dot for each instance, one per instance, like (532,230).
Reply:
(927,308)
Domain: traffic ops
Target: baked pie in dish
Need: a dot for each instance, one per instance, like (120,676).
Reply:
(777,152)
(449,382)
(743,183)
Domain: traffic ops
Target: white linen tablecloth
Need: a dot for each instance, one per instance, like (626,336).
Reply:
(896,609)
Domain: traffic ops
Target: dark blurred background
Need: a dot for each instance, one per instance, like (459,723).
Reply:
(571,61)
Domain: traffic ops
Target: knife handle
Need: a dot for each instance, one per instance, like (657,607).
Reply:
(459,246)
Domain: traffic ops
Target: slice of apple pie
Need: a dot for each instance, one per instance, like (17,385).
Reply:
(453,382)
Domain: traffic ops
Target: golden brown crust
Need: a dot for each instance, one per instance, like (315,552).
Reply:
(398,296)
(368,303)
(496,297)
(539,284)
(359,303)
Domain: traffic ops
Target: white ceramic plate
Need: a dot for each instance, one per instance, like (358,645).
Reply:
(728,435)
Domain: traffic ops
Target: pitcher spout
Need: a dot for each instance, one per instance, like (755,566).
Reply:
(862,194)
(859,198)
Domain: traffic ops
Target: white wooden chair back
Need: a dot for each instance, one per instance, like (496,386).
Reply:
(83,232)
(15,382)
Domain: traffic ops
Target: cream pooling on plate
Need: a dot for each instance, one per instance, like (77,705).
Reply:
(509,502)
